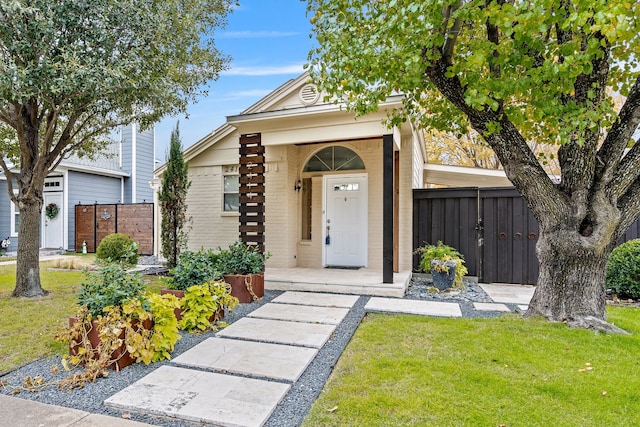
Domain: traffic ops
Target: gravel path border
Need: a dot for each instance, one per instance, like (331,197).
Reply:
(291,410)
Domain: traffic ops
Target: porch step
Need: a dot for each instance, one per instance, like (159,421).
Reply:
(359,282)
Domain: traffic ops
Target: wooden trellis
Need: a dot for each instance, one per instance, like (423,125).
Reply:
(251,191)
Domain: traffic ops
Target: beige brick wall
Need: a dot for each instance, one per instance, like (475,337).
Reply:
(209,226)
(280,208)
(405,219)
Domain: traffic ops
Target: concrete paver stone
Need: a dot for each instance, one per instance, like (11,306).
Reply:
(489,306)
(301,313)
(199,396)
(509,294)
(317,299)
(278,331)
(276,361)
(425,308)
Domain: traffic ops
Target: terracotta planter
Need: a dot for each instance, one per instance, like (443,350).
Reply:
(120,357)
(178,294)
(218,315)
(246,288)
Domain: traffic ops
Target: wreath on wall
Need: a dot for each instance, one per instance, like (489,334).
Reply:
(51,211)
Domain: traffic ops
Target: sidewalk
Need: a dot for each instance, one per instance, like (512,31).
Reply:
(18,412)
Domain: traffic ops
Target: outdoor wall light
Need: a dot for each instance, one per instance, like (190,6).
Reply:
(298,185)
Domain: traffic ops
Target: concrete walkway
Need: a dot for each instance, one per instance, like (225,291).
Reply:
(238,377)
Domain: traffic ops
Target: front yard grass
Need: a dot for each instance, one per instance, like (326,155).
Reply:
(417,371)
(28,325)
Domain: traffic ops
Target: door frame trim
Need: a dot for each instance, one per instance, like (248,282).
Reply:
(325,178)
(62,214)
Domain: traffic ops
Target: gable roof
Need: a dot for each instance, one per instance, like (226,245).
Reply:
(293,98)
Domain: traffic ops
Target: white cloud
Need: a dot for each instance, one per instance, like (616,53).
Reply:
(263,70)
(257,34)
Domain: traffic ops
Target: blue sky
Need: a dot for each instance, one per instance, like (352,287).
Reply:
(268,41)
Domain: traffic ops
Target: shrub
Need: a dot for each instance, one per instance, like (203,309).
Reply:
(623,270)
(201,303)
(111,285)
(194,268)
(442,252)
(241,258)
(118,247)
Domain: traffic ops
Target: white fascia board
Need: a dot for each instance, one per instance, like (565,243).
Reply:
(303,111)
(464,176)
(93,170)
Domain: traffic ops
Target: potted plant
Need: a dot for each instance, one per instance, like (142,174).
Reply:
(242,266)
(204,304)
(193,268)
(445,264)
(118,324)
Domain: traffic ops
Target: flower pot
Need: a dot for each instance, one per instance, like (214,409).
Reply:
(246,287)
(218,315)
(120,357)
(443,274)
(178,294)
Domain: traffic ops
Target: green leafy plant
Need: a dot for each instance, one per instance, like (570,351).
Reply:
(201,303)
(194,268)
(156,344)
(240,258)
(111,285)
(442,252)
(118,247)
(143,324)
(623,270)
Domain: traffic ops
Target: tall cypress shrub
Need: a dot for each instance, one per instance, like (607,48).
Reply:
(172,198)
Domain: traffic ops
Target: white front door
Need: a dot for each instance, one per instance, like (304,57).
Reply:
(53,228)
(345,219)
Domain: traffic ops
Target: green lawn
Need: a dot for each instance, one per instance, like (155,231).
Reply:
(417,371)
(28,325)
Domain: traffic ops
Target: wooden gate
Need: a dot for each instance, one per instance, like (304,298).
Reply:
(94,222)
(509,233)
(492,227)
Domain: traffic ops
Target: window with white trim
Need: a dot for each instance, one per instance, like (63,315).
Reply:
(231,188)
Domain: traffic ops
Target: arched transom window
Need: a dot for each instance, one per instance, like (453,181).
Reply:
(334,158)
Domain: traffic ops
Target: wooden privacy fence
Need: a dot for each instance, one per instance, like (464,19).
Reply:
(94,222)
(492,227)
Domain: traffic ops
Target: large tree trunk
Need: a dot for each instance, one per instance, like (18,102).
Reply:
(28,264)
(571,282)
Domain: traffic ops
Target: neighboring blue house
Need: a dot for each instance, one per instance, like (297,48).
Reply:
(121,175)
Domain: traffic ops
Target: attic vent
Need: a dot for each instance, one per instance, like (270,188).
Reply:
(309,94)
